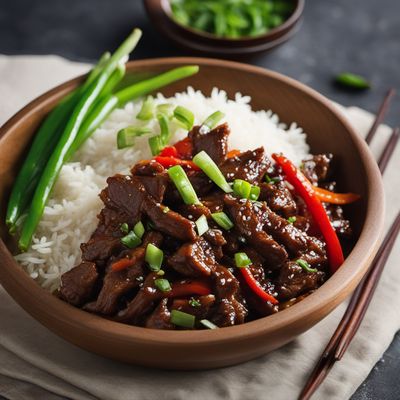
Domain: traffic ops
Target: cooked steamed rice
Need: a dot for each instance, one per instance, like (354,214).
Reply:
(70,216)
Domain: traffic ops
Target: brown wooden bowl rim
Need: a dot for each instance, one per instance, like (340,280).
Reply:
(272,34)
(354,267)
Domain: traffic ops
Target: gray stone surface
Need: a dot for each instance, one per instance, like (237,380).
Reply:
(361,36)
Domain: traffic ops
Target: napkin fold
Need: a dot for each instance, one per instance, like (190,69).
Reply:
(36,364)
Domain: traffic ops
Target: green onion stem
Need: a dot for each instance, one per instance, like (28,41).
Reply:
(182,183)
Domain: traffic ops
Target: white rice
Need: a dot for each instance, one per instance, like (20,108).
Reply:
(70,216)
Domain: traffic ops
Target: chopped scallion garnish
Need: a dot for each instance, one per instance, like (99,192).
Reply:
(292,220)
(166,108)
(155,144)
(162,284)
(241,188)
(208,324)
(131,240)
(202,225)
(242,260)
(165,210)
(212,120)
(182,183)
(268,179)
(126,137)
(208,166)
(164,128)
(124,228)
(305,265)
(184,116)
(147,111)
(182,319)
(255,193)
(222,220)
(139,229)
(194,302)
(154,257)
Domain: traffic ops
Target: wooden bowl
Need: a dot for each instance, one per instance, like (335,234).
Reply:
(198,41)
(327,131)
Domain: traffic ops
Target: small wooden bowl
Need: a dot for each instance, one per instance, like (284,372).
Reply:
(327,131)
(160,14)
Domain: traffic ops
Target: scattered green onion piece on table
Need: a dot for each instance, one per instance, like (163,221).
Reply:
(147,111)
(194,302)
(208,166)
(182,319)
(212,120)
(202,225)
(139,229)
(242,260)
(292,220)
(154,257)
(124,228)
(254,193)
(208,324)
(131,240)
(222,220)
(126,137)
(156,145)
(184,116)
(163,285)
(353,81)
(305,265)
(182,183)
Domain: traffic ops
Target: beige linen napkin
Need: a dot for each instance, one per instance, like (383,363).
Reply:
(30,354)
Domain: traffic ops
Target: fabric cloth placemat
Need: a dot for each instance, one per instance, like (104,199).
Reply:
(34,363)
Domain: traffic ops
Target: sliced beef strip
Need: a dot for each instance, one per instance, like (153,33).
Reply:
(278,198)
(78,285)
(118,283)
(214,142)
(194,259)
(316,167)
(250,166)
(249,221)
(193,211)
(155,186)
(200,311)
(229,309)
(214,201)
(294,281)
(160,317)
(168,221)
(147,168)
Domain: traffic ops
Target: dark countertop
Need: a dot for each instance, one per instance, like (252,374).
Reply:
(360,36)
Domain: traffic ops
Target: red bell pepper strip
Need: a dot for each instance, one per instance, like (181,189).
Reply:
(169,151)
(255,286)
(335,198)
(184,148)
(183,289)
(171,161)
(305,189)
(122,264)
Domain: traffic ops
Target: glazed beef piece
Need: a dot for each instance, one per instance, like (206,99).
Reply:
(194,259)
(78,285)
(214,142)
(160,317)
(278,198)
(119,283)
(200,306)
(294,281)
(316,167)
(148,168)
(250,166)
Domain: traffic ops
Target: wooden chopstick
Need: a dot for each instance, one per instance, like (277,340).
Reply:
(356,308)
(380,115)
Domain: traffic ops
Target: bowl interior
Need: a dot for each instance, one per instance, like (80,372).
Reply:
(327,131)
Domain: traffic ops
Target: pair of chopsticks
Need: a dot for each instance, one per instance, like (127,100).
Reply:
(364,292)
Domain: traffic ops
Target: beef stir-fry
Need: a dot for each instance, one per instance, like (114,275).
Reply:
(202,237)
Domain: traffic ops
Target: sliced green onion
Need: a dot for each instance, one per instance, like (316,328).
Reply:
(166,210)
(255,193)
(124,228)
(353,81)
(126,137)
(202,225)
(164,128)
(156,145)
(162,284)
(222,220)
(268,179)
(208,166)
(305,265)
(160,272)
(212,120)
(194,302)
(242,188)
(147,111)
(292,220)
(139,229)
(167,109)
(154,257)
(182,319)
(184,116)
(242,260)
(208,324)
(182,183)
(131,240)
